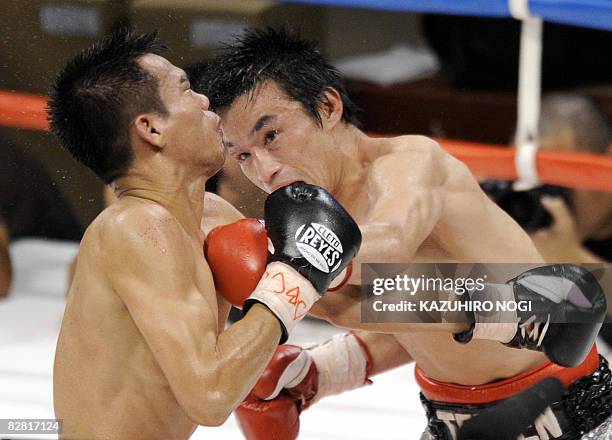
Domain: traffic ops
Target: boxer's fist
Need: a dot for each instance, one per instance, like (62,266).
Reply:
(311,232)
(237,254)
(291,371)
(314,239)
(295,379)
(272,412)
(277,419)
(567,307)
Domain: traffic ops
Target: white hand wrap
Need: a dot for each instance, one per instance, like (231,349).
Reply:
(342,365)
(286,293)
(495,325)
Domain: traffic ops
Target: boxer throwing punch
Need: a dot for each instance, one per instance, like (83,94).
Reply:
(287,117)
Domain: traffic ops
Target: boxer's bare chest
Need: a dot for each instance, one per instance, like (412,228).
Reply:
(202,278)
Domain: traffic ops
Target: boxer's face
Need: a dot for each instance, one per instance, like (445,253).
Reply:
(275,141)
(189,128)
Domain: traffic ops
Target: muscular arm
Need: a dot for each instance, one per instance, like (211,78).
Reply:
(406,206)
(343,309)
(386,353)
(151,267)
(6,270)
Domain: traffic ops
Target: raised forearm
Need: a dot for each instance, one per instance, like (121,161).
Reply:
(243,351)
(213,374)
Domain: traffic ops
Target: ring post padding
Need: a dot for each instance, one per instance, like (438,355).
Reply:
(530,75)
(525,162)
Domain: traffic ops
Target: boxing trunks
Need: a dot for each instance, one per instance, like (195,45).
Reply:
(585,410)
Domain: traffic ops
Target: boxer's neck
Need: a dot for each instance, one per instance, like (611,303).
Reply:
(352,174)
(183,198)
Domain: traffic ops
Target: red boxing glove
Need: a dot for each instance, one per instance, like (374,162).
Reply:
(277,419)
(237,254)
(296,378)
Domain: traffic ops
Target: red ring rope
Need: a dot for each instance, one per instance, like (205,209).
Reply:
(570,169)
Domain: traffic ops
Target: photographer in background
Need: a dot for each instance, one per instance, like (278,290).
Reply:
(582,233)
(566,225)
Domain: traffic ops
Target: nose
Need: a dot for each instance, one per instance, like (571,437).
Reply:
(266,167)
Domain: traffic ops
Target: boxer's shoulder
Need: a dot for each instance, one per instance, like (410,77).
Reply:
(218,211)
(416,144)
(127,225)
(411,159)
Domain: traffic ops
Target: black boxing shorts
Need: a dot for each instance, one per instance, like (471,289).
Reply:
(584,411)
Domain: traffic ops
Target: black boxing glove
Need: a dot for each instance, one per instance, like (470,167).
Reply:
(314,240)
(567,308)
(311,232)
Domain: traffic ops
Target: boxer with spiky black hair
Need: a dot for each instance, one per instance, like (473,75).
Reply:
(287,117)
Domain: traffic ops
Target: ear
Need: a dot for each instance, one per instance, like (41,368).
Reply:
(331,108)
(149,127)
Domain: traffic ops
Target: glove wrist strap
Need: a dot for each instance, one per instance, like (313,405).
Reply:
(286,293)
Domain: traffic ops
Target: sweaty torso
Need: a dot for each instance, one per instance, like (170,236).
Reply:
(107,384)
(470,228)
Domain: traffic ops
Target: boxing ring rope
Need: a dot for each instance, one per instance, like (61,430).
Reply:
(574,170)
(569,169)
(23,110)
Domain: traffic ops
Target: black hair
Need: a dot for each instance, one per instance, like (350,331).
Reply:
(580,114)
(98,94)
(261,55)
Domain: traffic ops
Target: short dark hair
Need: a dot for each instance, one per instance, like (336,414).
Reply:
(280,55)
(98,94)
(579,113)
